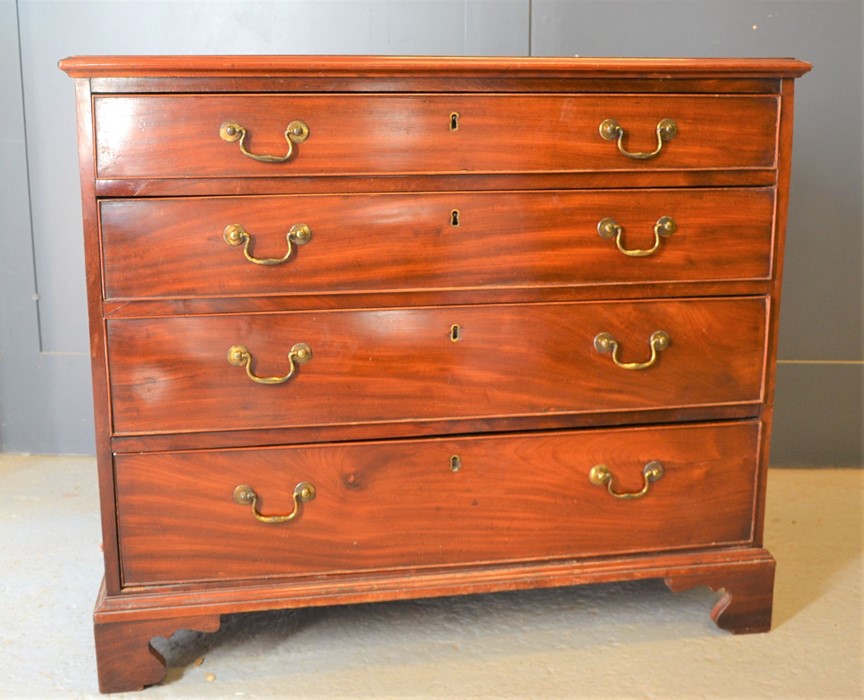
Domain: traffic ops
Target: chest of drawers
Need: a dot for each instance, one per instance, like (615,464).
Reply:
(376,328)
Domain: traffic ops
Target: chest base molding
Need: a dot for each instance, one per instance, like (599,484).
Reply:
(123,629)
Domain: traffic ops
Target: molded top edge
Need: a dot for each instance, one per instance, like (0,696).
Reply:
(377,66)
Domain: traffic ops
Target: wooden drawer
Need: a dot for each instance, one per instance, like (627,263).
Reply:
(388,242)
(179,135)
(172,374)
(410,504)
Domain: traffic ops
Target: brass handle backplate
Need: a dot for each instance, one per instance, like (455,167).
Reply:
(609,228)
(235,234)
(296,132)
(600,475)
(606,343)
(611,130)
(239,356)
(245,495)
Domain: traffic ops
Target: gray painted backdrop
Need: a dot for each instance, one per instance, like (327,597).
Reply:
(45,399)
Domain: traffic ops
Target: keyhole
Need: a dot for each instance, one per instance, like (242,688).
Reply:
(454,217)
(455,332)
(455,463)
(454,121)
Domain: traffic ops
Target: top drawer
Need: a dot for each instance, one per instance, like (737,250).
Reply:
(182,135)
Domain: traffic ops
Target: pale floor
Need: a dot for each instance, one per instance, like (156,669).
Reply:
(606,641)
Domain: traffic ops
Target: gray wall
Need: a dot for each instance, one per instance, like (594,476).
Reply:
(45,399)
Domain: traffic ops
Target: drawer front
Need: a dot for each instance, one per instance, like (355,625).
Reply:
(179,135)
(173,374)
(179,248)
(409,504)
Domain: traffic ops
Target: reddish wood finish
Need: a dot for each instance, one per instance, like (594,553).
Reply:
(178,136)
(265,437)
(443,68)
(123,628)
(393,365)
(523,398)
(420,183)
(126,660)
(399,504)
(395,242)
(748,594)
(98,350)
(280,593)
(781,207)
(201,306)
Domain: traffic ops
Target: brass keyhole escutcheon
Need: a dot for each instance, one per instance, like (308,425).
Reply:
(454,121)
(454,217)
(455,463)
(455,333)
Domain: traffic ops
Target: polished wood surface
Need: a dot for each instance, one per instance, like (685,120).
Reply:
(399,504)
(127,660)
(748,569)
(172,375)
(748,594)
(154,248)
(441,67)
(523,398)
(178,136)
(422,183)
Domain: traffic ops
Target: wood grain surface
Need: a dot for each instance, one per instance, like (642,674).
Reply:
(399,504)
(170,248)
(178,135)
(172,374)
(429,340)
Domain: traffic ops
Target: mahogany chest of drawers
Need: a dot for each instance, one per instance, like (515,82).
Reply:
(378,328)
